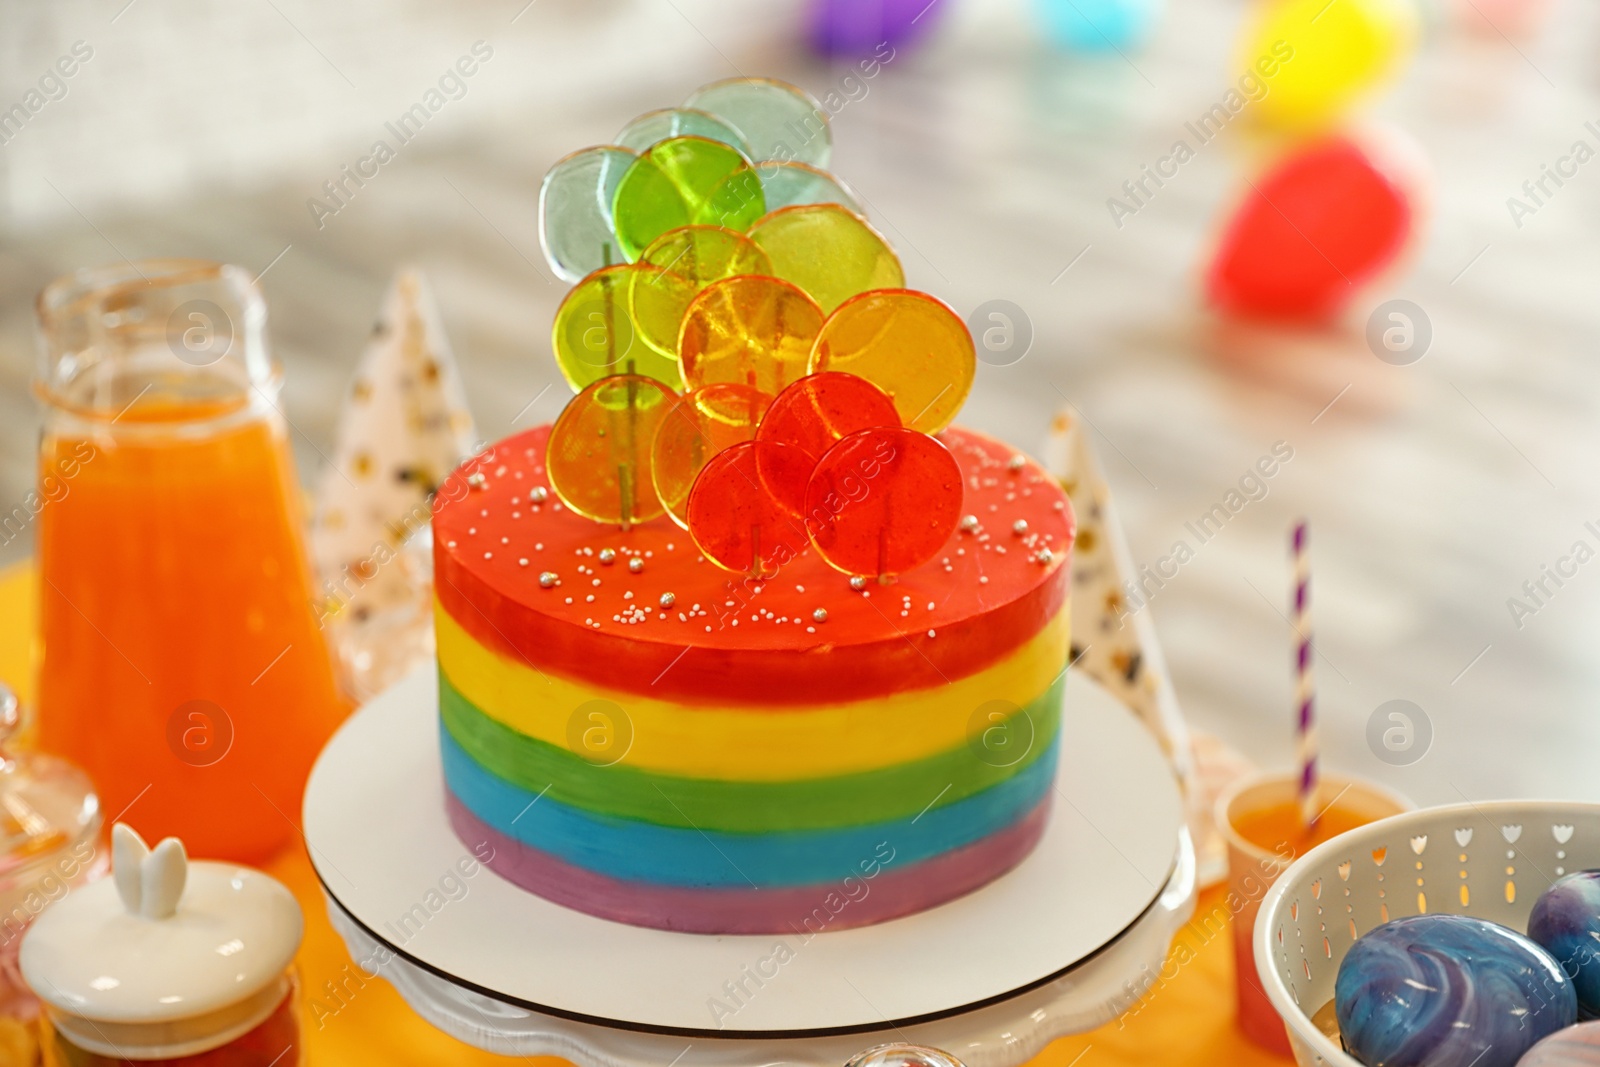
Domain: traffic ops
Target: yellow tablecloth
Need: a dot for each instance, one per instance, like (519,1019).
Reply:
(1186,1020)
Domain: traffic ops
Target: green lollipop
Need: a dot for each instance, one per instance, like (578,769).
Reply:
(684,181)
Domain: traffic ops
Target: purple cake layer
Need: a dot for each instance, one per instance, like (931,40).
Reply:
(853,900)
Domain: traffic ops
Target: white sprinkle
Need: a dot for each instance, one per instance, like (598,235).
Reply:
(523,562)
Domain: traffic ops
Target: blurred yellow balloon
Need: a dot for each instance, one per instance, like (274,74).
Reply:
(1306,62)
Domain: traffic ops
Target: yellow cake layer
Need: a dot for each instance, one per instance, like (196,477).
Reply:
(757,744)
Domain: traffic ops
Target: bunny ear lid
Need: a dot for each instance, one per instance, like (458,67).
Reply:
(139,951)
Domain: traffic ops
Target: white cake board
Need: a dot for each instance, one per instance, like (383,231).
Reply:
(1068,930)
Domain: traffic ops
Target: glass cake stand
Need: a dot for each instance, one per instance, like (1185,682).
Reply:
(1059,945)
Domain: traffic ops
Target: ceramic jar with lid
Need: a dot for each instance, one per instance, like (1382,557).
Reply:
(168,960)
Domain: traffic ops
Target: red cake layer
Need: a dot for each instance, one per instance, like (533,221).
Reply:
(729,639)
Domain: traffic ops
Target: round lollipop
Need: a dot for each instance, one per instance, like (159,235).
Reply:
(828,251)
(598,456)
(817,411)
(684,181)
(621,320)
(908,344)
(743,507)
(790,184)
(575,198)
(882,501)
(656,126)
(779,121)
(749,329)
(700,424)
(706,254)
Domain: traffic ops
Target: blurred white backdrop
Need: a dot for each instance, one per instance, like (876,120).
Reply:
(202,128)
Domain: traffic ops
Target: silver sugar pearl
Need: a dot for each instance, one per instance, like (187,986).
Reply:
(668,599)
(477,480)
(1016,462)
(1019,527)
(820,615)
(547,579)
(635,565)
(608,556)
(858,582)
(969,523)
(1046,557)
(538,494)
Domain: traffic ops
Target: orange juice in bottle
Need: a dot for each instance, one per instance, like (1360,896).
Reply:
(182,661)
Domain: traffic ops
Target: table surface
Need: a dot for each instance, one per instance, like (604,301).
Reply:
(351,1020)
(1435,490)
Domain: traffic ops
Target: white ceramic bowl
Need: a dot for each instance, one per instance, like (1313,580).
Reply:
(1489,860)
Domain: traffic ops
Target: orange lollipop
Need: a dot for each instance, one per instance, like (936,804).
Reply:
(705,254)
(828,251)
(908,344)
(743,508)
(883,501)
(598,457)
(699,425)
(749,329)
(819,409)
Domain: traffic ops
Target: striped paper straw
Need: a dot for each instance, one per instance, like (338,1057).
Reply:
(1306,732)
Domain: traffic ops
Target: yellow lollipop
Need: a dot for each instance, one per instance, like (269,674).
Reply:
(751,330)
(1305,62)
(598,456)
(908,344)
(622,320)
(828,251)
(701,424)
(706,254)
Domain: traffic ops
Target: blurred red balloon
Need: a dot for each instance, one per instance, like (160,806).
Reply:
(1315,228)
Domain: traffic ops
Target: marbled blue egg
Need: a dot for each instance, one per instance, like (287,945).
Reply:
(1566,921)
(1448,991)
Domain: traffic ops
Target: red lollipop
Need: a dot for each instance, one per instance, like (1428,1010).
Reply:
(1312,230)
(745,505)
(882,501)
(817,411)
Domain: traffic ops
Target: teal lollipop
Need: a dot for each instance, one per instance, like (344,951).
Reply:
(779,121)
(575,228)
(655,126)
(794,184)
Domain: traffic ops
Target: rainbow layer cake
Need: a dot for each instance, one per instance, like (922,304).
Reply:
(751,639)
(729,763)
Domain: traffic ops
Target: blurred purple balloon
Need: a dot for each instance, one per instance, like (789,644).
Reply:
(855,29)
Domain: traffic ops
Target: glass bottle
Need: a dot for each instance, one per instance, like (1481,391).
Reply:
(182,662)
(49,845)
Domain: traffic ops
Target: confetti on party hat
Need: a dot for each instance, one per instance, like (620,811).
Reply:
(746,358)
(1114,638)
(403,427)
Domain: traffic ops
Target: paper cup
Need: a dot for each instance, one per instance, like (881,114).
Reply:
(1252,869)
